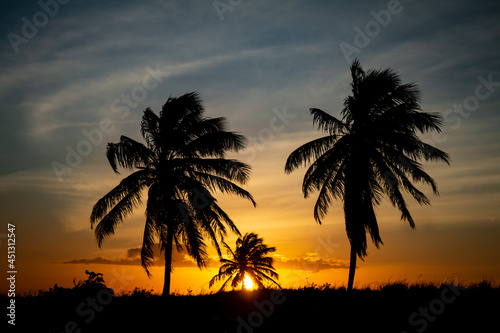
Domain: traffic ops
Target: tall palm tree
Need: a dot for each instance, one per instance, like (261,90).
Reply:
(372,152)
(182,163)
(249,259)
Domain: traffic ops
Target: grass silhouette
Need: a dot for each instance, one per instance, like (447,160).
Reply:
(385,307)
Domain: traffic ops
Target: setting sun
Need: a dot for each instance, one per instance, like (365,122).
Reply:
(248,283)
(344,155)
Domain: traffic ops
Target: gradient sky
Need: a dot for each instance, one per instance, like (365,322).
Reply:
(84,76)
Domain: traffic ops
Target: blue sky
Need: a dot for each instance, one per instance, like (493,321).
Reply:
(263,55)
(264,59)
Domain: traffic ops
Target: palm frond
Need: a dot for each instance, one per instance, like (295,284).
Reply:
(328,123)
(150,129)
(147,253)
(223,185)
(333,187)
(128,154)
(326,167)
(133,183)
(195,245)
(309,151)
(215,144)
(231,169)
(123,208)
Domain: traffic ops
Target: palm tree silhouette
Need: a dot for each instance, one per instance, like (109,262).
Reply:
(250,258)
(373,151)
(181,163)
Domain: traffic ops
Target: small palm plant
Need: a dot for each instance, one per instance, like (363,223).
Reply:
(249,260)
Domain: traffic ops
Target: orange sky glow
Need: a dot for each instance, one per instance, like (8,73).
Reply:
(445,245)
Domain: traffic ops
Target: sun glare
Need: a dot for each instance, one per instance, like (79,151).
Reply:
(248,283)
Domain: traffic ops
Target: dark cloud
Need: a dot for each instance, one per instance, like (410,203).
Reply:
(134,253)
(312,264)
(132,257)
(104,261)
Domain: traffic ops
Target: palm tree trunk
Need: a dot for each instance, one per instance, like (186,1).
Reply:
(352,269)
(168,264)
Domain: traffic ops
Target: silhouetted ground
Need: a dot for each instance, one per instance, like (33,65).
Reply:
(394,308)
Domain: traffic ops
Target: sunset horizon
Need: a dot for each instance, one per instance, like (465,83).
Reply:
(321,132)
